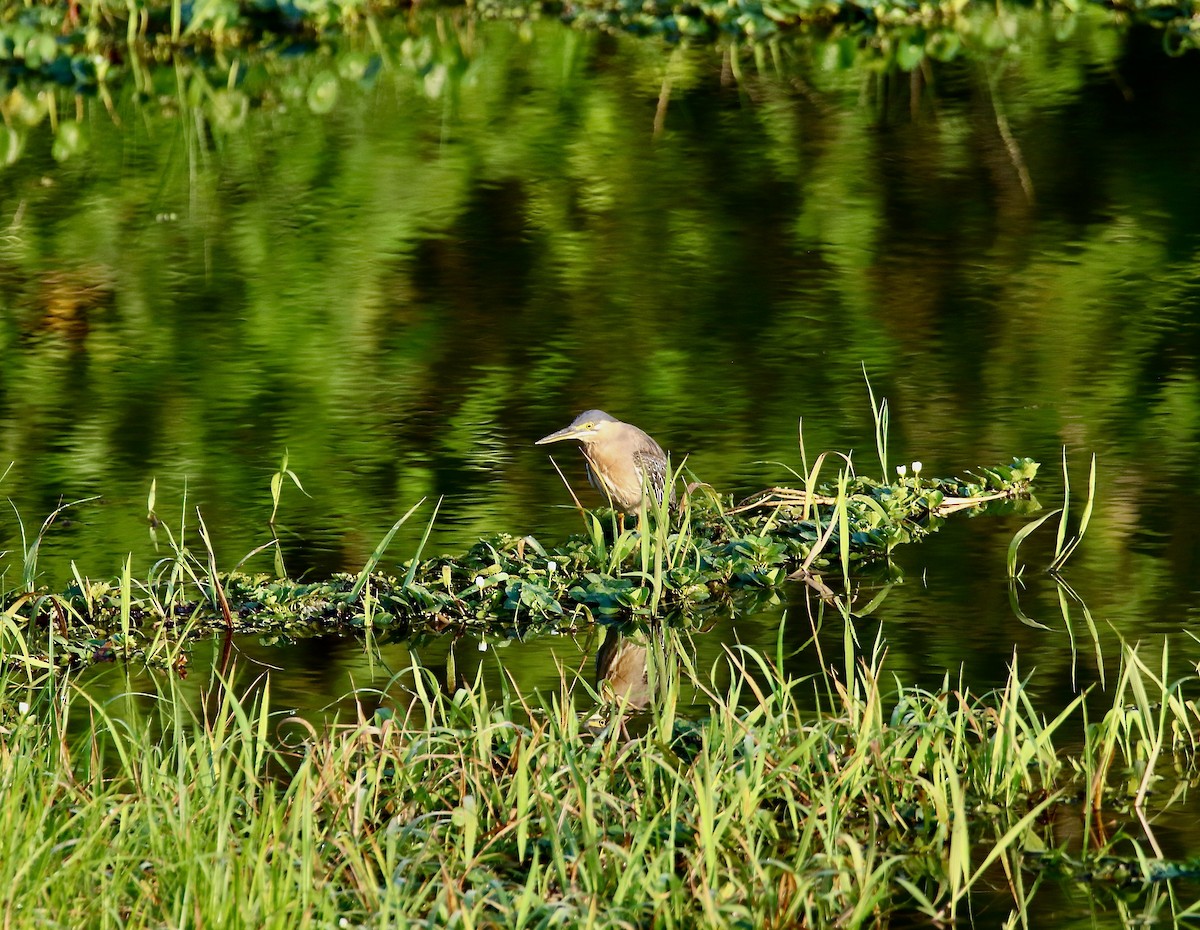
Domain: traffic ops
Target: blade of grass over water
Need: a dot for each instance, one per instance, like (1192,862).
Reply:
(126,601)
(416,559)
(1063,552)
(800,444)
(841,517)
(277,486)
(373,559)
(880,413)
(1019,537)
(30,552)
(216,588)
(1066,508)
(1066,594)
(1063,548)
(1014,602)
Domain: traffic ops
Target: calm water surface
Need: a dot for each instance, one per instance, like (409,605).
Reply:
(490,228)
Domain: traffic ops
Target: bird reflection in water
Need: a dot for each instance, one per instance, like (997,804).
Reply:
(621,676)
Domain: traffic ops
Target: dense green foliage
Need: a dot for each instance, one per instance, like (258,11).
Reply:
(97,46)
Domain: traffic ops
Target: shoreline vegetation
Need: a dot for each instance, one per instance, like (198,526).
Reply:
(652,797)
(840,799)
(683,564)
(117,29)
(88,46)
(472,808)
(64,65)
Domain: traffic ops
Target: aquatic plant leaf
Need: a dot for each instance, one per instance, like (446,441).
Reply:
(323,92)
(1015,603)
(535,597)
(416,559)
(1019,537)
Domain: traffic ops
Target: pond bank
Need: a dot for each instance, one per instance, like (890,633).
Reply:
(482,809)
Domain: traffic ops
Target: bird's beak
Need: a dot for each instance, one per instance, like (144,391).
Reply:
(567,432)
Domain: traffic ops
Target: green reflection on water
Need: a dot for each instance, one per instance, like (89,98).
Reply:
(490,228)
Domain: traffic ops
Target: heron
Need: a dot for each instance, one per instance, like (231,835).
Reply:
(623,462)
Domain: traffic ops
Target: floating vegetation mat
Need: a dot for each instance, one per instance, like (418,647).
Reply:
(683,562)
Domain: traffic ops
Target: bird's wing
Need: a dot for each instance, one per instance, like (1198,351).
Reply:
(652,463)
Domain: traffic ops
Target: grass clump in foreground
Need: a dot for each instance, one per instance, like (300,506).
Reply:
(476,809)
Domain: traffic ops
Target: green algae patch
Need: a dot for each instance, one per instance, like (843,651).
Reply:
(684,562)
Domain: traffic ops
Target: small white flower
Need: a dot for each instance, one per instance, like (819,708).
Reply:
(901,470)
(479,582)
(482,645)
(551,566)
(916,467)
(23,708)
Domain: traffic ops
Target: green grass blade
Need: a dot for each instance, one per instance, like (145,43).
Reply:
(1091,499)
(1060,558)
(1062,523)
(880,412)
(1015,603)
(1019,537)
(375,556)
(416,559)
